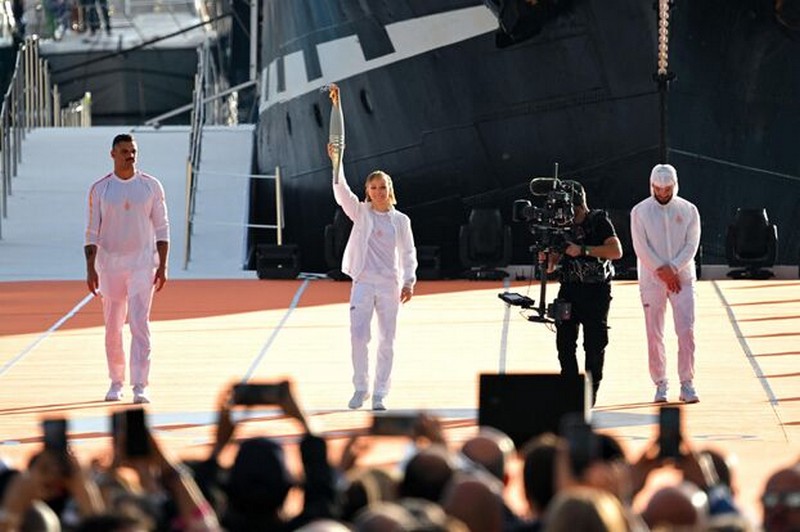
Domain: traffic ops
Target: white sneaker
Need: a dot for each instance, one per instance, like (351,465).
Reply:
(688,394)
(377,403)
(661,392)
(139,395)
(358,399)
(114,393)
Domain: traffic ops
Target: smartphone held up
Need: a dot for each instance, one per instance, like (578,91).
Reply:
(669,432)
(130,432)
(55,434)
(260,393)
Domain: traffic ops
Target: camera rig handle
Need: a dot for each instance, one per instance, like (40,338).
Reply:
(541,310)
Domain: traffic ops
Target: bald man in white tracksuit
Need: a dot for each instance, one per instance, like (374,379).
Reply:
(665,230)
(126,247)
(381,258)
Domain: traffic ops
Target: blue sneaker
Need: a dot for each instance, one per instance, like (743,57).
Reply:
(114,393)
(140,395)
(661,392)
(377,403)
(358,399)
(688,395)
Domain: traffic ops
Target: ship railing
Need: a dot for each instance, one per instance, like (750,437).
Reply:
(31,101)
(132,7)
(212,104)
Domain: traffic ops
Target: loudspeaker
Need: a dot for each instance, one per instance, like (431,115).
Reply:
(524,405)
(429,263)
(275,261)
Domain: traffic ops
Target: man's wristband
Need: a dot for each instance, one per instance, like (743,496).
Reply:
(585,250)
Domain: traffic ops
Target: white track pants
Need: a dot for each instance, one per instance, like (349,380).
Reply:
(384,299)
(128,294)
(654,302)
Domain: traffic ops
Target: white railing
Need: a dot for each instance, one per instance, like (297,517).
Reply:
(31,101)
(213,105)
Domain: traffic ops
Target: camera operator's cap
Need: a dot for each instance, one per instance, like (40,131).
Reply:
(664,175)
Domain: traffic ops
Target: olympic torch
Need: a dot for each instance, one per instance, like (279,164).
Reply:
(336,132)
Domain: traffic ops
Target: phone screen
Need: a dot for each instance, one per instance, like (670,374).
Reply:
(55,434)
(259,393)
(137,438)
(669,437)
(117,426)
(393,424)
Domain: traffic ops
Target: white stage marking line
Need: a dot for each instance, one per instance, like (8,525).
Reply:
(8,365)
(504,335)
(274,335)
(745,347)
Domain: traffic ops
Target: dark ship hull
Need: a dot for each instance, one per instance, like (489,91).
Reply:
(463,124)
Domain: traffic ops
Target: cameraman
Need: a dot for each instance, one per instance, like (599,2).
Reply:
(586,273)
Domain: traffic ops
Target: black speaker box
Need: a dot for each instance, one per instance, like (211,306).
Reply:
(524,405)
(429,263)
(275,261)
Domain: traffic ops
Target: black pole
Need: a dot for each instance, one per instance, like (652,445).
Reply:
(663,152)
(663,76)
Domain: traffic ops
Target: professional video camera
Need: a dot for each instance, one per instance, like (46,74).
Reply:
(550,222)
(551,219)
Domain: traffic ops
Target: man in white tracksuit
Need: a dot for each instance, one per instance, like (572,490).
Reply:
(126,248)
(665,230)
(381,258)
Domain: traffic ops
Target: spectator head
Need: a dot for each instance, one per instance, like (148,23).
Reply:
(427,473)
(538,473)
(684,505)
(51,473)
(610,471)
(6,474)
(492,449)
(383,517)
(110,522)
(406,515)
(585,509)
(723,466)
(140,508)
(430,517)
(475,501)
(781,500)
(730,522)
(259,479)
(40,518)
(366,487)
(324,525)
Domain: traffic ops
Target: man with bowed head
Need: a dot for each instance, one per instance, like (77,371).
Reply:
(665,230)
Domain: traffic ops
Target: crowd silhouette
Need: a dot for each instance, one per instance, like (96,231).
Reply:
(568,483)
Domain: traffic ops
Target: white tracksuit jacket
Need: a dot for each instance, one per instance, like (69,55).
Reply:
(124,219)
(369,292)
(667,234)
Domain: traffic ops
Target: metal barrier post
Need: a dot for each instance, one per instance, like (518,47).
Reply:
(278,207)
(48,108)
(56,107)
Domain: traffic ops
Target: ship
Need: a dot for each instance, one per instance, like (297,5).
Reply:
(463,102)
(140,65)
